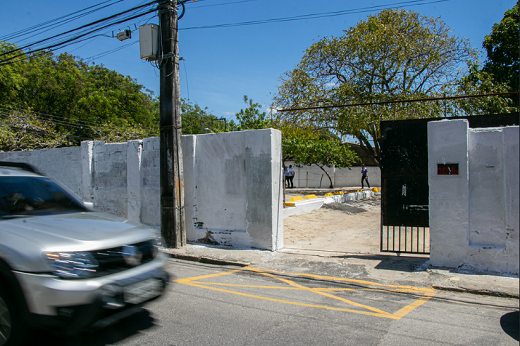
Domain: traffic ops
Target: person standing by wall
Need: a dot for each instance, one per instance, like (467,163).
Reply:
(364,176)
(291,176)
(286,174)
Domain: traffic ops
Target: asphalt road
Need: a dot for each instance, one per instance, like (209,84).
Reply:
(216,305)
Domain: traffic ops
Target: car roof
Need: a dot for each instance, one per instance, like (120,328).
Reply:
(16,172)
(18,169)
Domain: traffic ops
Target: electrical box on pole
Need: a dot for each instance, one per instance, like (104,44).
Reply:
(124,35)
(149,42)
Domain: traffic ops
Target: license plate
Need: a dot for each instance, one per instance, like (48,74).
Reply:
(143,291)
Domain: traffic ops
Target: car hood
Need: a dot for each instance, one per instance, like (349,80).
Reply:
(29,237)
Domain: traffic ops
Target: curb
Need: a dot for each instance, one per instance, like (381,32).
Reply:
(482,292)
(207,260)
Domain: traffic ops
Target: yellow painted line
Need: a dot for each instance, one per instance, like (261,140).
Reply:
(411,288)
(248,286)
(407,309)
(321,289)
(289,282)
(290,302)
(202,277)
(428,292)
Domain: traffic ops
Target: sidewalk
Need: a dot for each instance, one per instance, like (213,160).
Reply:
(383,269)
(371,265)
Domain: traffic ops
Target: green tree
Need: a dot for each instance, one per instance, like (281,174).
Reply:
(307,146)
(82,94)
(82,101)
(393,55)
(251,118)
(11,79)
(196,120)
(503,50)
(25,131)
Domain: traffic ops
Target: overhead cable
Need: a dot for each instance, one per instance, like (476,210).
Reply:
(86,26)
(319,15)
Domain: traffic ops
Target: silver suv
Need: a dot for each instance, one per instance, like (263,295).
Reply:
(64,267)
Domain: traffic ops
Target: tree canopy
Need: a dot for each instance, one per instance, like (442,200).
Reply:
(196,120)
(503,50)
(79,101)
(251,118)
(307,146)
(393,55)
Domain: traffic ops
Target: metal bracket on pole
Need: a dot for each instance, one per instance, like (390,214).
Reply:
(168,126)
(170,55)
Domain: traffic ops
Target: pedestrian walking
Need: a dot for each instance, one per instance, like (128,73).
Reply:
(364,176)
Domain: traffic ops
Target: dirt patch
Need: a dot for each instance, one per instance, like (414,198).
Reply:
(353,226)
(343,207)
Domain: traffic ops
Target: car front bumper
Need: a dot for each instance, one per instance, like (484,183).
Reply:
(76,305)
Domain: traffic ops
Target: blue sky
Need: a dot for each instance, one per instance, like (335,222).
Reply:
(221,65)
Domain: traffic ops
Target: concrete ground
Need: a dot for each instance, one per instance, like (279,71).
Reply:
(359,260)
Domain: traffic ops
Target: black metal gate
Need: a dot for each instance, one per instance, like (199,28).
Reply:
(404,187)
(404,181)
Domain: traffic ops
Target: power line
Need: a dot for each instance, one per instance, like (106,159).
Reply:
(319,15)
(398,101)
(76,39)
(222,4)
(38,27)
(100,55)
(84,27)
(98,129)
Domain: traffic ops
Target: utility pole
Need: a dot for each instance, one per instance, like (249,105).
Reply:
(173,229)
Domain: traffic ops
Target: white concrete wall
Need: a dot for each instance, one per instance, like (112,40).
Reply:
(232,183)
(233,180)
(65,163)
(474,215)
(311,176)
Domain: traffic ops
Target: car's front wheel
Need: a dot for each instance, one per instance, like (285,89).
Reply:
(5,320)
(11,325)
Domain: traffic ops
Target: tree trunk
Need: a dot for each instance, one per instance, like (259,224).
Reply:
(331,186)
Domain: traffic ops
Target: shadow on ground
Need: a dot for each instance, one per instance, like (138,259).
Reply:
(509,323)
(115,333)
(396,263)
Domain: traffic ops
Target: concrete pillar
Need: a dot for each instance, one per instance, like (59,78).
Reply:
(190,185)
(87,160)
(264,189)
(449,194)
(133,178)
(511,182)
(486,189)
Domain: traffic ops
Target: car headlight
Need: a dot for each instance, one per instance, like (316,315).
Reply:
(73,265)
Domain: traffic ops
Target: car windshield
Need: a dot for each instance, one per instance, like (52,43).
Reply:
(22,196)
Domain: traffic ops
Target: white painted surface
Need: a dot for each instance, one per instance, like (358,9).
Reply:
(134,152)
(63,164)
(313,177)
(474,215)
(232,183)
(306,205)
(235,189)
(486,189)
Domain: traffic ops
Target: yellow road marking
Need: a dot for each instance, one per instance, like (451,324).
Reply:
(289,282)
(428,293)
(404,311)
(290,302)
